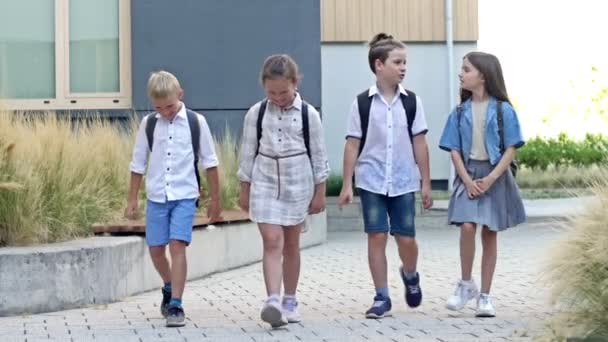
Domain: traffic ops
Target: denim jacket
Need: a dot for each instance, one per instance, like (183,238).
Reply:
(459,137)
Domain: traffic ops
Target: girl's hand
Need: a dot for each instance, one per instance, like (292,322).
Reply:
(214,211)
(244,197)
(317,204)
(473,189)
(485,183)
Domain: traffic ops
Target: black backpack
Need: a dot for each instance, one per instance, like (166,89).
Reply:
(501,132)
(305,129)
(195,133)
(364,102)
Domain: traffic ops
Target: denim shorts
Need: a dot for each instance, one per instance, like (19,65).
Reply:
(171,220)
(379,209)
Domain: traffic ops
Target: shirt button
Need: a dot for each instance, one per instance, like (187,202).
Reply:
(167,184)
(280,118)
(389,108)
(279,129)
(170,138)
(168,169)
(279,140)
(168,153)
(171,122)
(389,126)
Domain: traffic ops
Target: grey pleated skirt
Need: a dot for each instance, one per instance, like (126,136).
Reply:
(498,208)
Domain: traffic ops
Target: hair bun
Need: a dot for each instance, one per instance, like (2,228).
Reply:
(380,37)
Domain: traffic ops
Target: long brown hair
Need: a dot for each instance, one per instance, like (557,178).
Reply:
(489,66)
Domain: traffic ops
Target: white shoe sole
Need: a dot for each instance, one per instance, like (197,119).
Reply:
(273,316)
(175,324)
(374,316)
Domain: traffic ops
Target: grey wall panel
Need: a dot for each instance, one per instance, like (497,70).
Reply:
(216,47)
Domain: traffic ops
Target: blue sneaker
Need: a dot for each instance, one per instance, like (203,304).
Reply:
(413,292)
(381,308)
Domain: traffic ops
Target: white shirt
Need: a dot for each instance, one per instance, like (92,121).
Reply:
(478,147)
(386,164)
(170,175)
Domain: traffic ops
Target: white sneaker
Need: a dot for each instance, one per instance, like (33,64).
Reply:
(465,291)
(290,310)
(484,306)
(272,314)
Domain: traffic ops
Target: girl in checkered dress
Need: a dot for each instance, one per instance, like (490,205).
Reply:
(282,180)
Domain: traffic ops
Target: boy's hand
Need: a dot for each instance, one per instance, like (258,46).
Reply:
(317,204)
(427,201)
(244,197)
(131,211)
(214,211)
(346,197)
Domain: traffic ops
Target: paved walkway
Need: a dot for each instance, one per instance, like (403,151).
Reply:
(335,291)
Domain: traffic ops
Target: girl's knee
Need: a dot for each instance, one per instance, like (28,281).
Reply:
(468,229)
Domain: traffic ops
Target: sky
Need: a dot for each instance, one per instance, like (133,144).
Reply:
(547,50)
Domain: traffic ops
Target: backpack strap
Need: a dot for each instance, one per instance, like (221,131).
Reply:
(258,124)
(305,128)
(195,134)
(150,125)
(195,131)
(501,125)
(459,110)
(364,102)
(409,104)
(305,125)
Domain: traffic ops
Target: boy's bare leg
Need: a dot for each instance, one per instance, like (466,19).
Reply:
(376,255)
(408,252)
(179,267)
(161,263)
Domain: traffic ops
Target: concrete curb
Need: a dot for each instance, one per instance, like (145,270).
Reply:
(101,270)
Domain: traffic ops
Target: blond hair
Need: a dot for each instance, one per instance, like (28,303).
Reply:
(162,84)
(279,66)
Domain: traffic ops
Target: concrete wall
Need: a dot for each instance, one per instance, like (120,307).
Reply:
(345,73)
(216,49)
(100,270)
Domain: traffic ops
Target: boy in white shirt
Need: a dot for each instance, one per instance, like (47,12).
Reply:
(386,149)
(169,143)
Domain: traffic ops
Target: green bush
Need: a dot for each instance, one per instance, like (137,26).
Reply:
(333,185)
(540,154)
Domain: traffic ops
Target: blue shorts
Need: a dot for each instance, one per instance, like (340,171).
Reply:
(171,220)
(378,209)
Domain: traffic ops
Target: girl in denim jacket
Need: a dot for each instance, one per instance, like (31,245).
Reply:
(482,134)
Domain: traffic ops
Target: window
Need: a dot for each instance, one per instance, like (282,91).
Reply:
(65,54)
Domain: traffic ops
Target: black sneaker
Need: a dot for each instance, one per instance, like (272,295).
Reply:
(176,316)
(164,305)
(413,292)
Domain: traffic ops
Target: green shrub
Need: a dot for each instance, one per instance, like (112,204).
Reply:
(540,154)
(333,185)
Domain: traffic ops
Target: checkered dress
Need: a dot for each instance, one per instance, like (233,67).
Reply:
(282,176)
